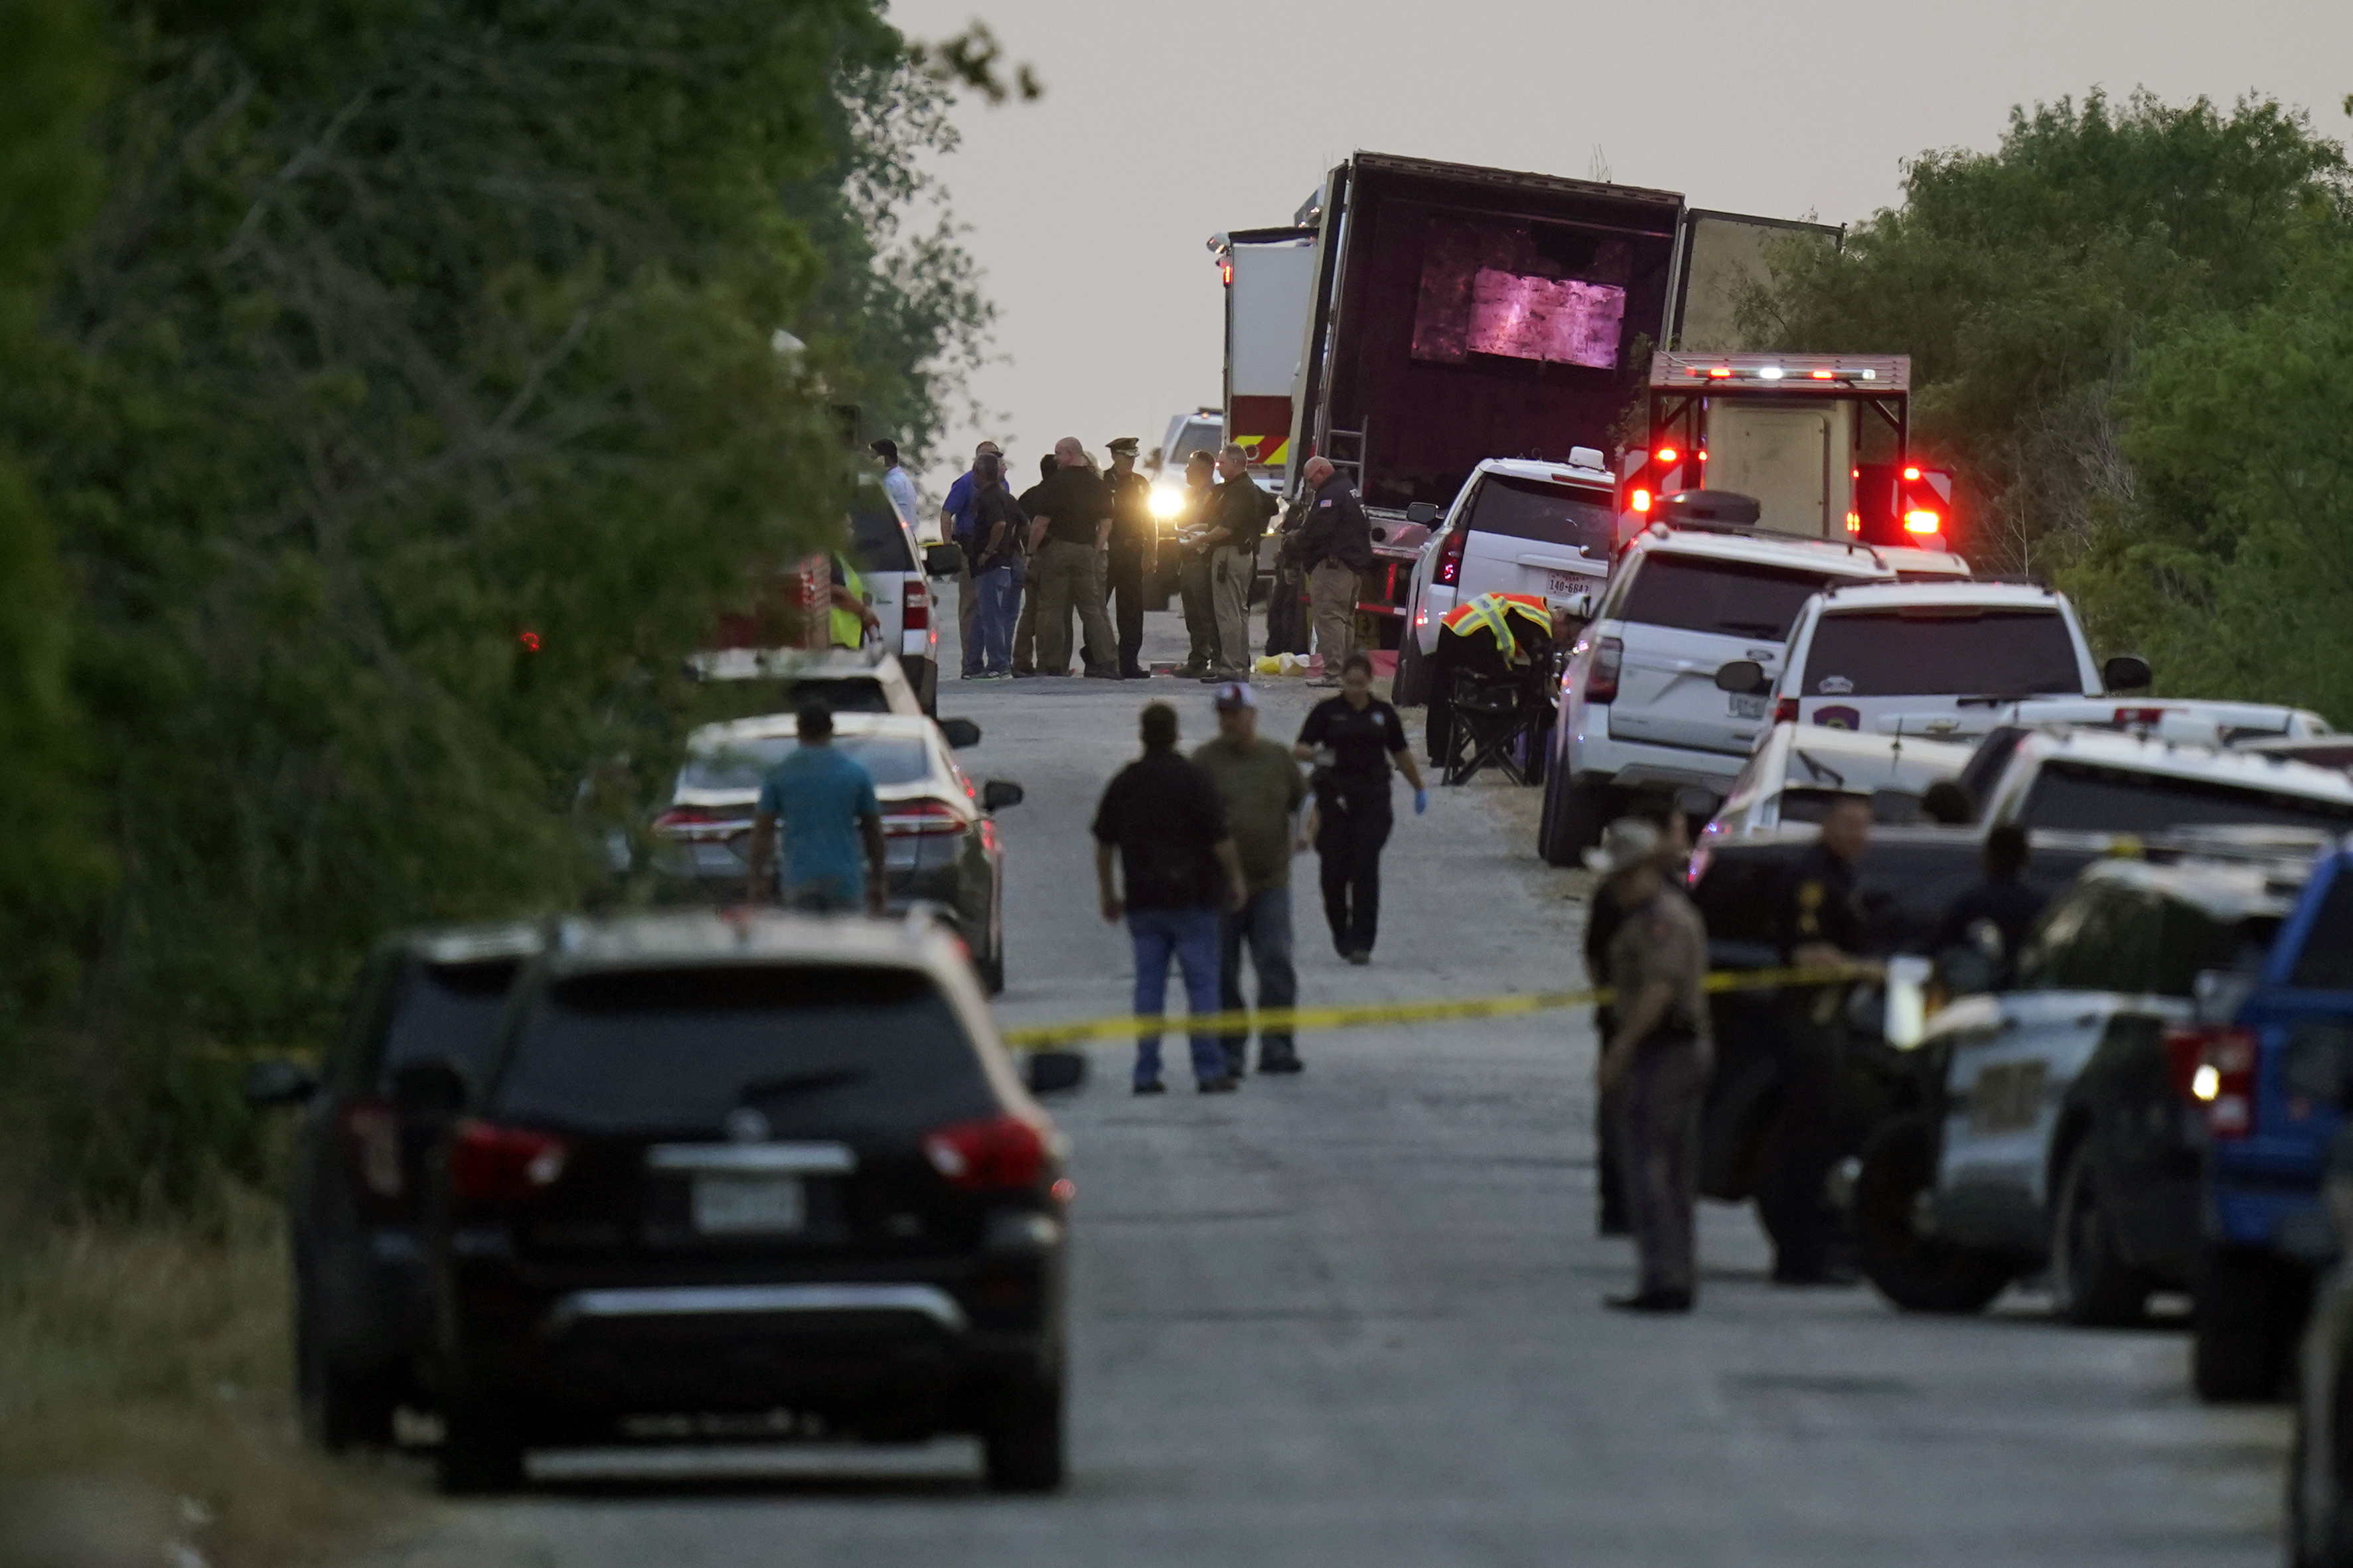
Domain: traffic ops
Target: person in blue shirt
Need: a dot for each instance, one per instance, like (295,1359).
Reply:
(897,482)
(957,515)
(826,802)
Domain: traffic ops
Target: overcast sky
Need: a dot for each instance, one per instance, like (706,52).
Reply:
(1164,124)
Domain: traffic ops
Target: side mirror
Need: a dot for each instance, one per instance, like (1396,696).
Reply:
(998,794)
(428,1092)
(1422,512)
(943,560)
(1579,606)
(1742,677)
(2126,672)
(275,1083)
(1054,1072)
(959,732)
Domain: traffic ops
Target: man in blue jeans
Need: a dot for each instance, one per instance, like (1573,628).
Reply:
(1260,786)
(1162,818)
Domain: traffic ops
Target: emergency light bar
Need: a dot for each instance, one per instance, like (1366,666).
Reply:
(1790,373)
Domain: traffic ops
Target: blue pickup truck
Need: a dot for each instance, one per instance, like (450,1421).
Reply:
(2271,1079)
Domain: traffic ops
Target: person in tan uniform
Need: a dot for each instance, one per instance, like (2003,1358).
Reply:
(1656,1061)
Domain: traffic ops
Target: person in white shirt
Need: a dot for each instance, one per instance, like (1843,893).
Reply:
(897,482)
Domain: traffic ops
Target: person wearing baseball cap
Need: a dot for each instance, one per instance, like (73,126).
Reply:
(1258,784)
(1655,1064)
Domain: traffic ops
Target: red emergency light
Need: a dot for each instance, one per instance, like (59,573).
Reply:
(1226,272)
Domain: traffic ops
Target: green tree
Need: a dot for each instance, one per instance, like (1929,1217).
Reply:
(2024,283)
(409,328)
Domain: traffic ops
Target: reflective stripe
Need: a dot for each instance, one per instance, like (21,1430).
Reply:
(848,629)
(734,1300)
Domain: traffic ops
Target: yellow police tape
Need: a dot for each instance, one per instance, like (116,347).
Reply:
(1298,1020)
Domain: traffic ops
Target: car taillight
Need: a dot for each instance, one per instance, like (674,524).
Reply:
(916,608)
(1000,1152)
(1601,679)
(699,822)
(1785,711)
(910,818)
(1698,866)
(500,1165)
(2215,1069)
(370,1132)
(1448,569)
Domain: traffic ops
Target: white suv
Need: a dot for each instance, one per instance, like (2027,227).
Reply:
(1639,707)
(1515,527)
(1939,660)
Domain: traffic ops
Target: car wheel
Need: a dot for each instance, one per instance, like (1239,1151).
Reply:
(340,1408)
(1572,820)
(2242,1326)
(1411,687)
(2091,1284)
(992,969)
(1022,1439)
(482,1448)
(1918,1273)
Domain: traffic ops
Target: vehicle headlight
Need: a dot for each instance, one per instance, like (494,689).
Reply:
(1166,503)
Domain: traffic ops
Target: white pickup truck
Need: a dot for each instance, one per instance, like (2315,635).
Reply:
(1944,660)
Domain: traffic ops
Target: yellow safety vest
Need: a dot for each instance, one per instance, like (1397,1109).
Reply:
(849,627)
(1493,613)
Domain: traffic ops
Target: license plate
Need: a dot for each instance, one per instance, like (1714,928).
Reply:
(738,1205)
(1565,584)
(1745,706)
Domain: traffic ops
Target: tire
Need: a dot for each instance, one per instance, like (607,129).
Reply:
(1572,819)
(481,1449)
(2091,1284)
(1022,1437)
(1411,687)
(992,968)
(1917,1273)
(340,1408)
(2243,1326)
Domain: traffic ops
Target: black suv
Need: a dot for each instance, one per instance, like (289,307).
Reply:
(363,1319)
(749,1176)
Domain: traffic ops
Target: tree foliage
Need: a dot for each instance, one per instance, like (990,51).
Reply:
(2091,308)
(403,328)
(2023,282)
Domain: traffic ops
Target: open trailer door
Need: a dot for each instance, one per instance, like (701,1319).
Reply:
(1721,257)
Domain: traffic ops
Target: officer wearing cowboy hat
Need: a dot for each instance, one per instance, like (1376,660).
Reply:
(1654,1066)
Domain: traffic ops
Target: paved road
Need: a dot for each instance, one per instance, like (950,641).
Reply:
(1353,1317)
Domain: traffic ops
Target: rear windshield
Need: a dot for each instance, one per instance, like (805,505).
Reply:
(741,764)
(1554,514)
(2327,962)
(1941,649)
(822,1050)
(721,702)
(1198,435)
(877,541)
(2085,799)
(1730,599)
(445,1012)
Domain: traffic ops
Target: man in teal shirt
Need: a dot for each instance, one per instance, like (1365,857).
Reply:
(826,802)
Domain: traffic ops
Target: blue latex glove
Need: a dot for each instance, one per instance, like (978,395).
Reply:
(1420,801)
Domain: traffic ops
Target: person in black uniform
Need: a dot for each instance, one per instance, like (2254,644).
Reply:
(1130,559)
(1351,739)
(1816,923)
(2002,900)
